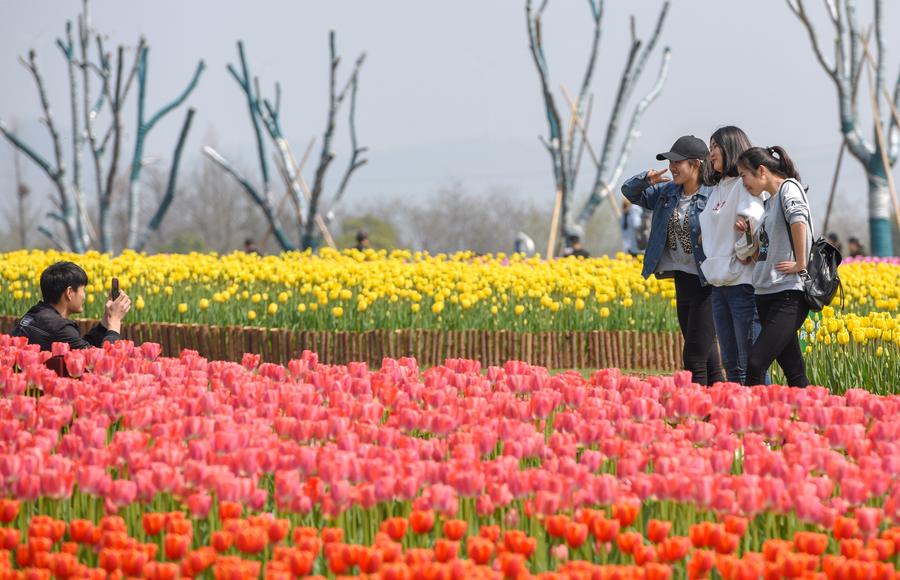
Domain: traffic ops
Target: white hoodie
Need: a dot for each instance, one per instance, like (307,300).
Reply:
(727,200)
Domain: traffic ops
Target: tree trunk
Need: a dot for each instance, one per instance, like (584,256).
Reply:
(880,209)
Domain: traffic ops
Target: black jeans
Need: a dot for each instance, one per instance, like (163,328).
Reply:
(694,305)
(781,315)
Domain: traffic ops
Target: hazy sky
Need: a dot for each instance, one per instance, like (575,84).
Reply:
(449,91)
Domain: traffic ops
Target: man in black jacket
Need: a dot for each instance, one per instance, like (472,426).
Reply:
(63,290)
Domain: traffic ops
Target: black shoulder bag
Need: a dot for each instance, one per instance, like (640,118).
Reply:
(820,279)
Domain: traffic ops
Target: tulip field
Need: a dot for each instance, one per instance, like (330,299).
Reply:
(145,466)
(854,346)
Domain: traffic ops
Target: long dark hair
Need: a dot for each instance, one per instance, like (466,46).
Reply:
(774,158)
(732,141)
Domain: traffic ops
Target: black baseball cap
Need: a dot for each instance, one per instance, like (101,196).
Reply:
(687,147)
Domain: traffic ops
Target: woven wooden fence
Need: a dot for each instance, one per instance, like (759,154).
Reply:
(556,350)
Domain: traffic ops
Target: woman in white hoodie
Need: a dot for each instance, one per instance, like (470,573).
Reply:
(734,306)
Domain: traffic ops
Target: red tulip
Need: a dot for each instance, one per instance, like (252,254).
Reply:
(395,527)
(576,534)
(421,521)
(657,530)
(455,529)
(153,523)
(176,546)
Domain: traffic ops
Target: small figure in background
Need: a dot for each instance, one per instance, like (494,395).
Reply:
(524,244)
(250,246)
(632,222)
(574,248)
(362,240)
(855,248)
(835,241)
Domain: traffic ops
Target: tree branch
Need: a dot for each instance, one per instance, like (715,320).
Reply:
(799,10)
(157,218)
(144,127)
(602,189)
(262,202)
(253,106)
(355,161)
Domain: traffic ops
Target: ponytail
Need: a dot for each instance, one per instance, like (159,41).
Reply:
(774,158)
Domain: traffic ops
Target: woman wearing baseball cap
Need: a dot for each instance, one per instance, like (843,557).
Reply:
(674,249)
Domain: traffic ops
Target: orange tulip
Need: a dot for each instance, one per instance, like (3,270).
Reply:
(221,541)
(69,548)
(176,546)
(831,564)
(337,563)
(811,543)
(109,559)
(792,565)
(419,557)
(701,563)
(445,550)
(774,547)
(313,545)
(727,544)
(9,510)
(301,562)
(395,527)
(278,530)
(699,534)
(884,548)
(161,571)
(455,529)
(479,549)
(251,540)
(180,526)
(9,538)
(492,532)
(673,549)
(113,524)
(391,551)
(199,560)
(80,531)
(513,565)
(736,525)
(395,571)
(556,525)
(370,560)
(626,512)
(643,554)
(576,534)
(654,571)
(330,535)
(657,530)
(229,510)
(422,521)
(153,523)
(133,562)
(845,528)
(628,541)
(605,530)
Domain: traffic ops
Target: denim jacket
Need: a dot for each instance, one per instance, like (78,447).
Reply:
(662,199)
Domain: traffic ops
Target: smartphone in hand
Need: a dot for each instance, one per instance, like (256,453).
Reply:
(114,291)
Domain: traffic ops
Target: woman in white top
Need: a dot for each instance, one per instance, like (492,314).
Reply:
(734,307)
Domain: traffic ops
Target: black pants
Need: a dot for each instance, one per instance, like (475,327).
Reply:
(781,315)
(694,305)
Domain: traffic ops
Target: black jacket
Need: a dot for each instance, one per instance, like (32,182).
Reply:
(43,325)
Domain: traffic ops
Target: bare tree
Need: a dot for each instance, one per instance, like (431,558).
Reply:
(844,72)
(22,192)
(79,230)
(265,115)
(197,212)
(566,141)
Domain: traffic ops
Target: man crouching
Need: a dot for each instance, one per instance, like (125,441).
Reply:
(63,291)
